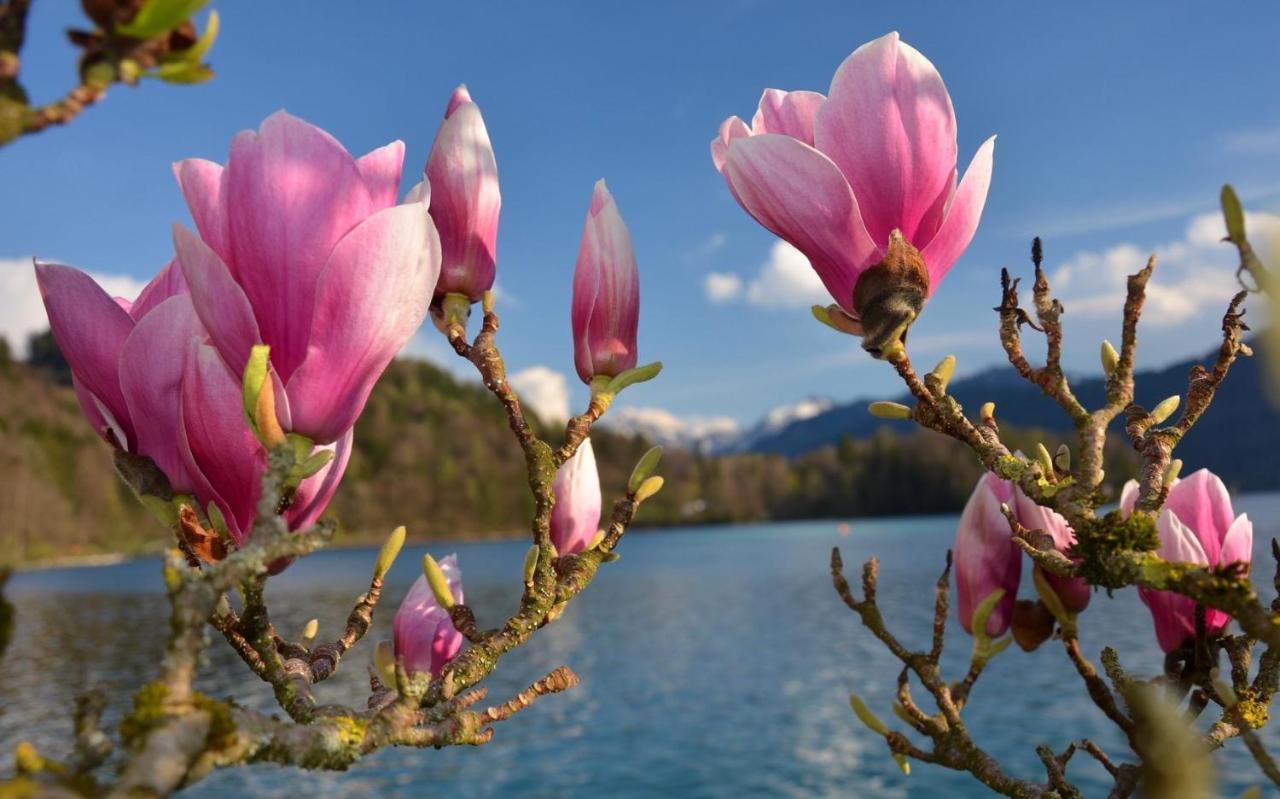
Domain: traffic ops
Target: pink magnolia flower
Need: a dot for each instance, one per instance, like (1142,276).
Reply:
(126,358)
(425,638)
(986,559)
(226,459)
(863,181)
(1073,592)
(463,176)
(575,518)
(303,248)
(1197,525)
(606,293)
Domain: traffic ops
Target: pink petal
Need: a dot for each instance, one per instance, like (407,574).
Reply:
(460,96)
(222,453)
(1237,546)
(219,301)
(465,201)
(314,494)
(381,172)
(889,125)
(100,417)
(986,558)
(291,193)
(961,221)
(370,299)
(90,329)
(201,184)
(732,128)
(606,292)
(1173,616)
(1073,591)
(799,194)
(1178,542)
(789,113)
(152,366)
(575,517)
(168,283)
(1129,497)
(1202,503)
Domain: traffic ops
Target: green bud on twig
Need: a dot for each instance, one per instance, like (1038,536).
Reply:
(310,631)
(988,412)
(159,16)
(644,467)
(1062,459)
(1232,214)
(1171,473)
(983,647)
(944,370)
(648,488)
(488,300)
(436,579)
(1110,358)
(834,317)
(889,410)
(389,552)
(530,563)
(1165,409)
(384,662)
(865,715)
(456,308)
(1042,455)
(596,540)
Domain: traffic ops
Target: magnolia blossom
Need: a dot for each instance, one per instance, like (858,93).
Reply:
(606,293)
(986,558)
(425,638)
(1197,525)
(862,181)
(1073,592)
(575,518)
(463,178)
(303,247)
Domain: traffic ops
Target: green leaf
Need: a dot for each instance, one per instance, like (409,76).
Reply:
(644,467)
(159,16)
(640,374)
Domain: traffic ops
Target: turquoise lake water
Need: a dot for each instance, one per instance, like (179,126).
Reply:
(714,663)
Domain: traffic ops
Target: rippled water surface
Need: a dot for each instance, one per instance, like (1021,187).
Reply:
(714,663)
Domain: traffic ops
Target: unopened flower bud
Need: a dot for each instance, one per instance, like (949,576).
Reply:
(1232,214)
(944,370)
(437,582)
(1110,358)
(1165,409)
(389,552)
(1172,472)
(1063,458)
(865,715)
(889,410)
(648,488)
(310,631)
(1042,455)
(988,412)
(530,563)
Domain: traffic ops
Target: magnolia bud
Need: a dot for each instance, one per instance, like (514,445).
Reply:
(944,370)
(865,715)
(389,552)
(310,631)
(1172,472)
(1232,214)
(530,563)
(648,488)
(1042,455)
(988,412)
(1110,358)
(889,410)
(1063,458)
(436,580)
(1165,409)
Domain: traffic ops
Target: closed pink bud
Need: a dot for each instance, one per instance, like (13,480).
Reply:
(465,200)
(127,358)
(1197,525)
(575,518)
(606,293)
(302,247)
(424,635)
(862,181)
(986,559)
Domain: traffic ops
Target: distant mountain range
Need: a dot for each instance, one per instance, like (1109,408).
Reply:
(1238,438)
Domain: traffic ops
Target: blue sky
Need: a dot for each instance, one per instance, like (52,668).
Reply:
(1117,124)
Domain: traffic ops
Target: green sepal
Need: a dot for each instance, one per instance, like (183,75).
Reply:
(159,16)
(640,374)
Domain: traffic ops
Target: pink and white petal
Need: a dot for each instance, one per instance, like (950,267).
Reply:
(1129,497)
(610,324)
(1202,503)
(789,113)
(889,125)
(732,128)
(420,193)
(314,494)
(152,367)
(381,170)
(222,449)
(221,304)
(1173,616)
(962,216)
(169,282)
(201,184)
(291,193)
(798,194)
(90,329)
(100,418)
(1177,541)
(466,201)
(370,299)
(1237,546)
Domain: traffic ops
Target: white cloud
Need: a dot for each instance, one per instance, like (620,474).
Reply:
(1252,141)
(722,287)
(21,310)
(544,391)
(786,280)
(1194,275)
